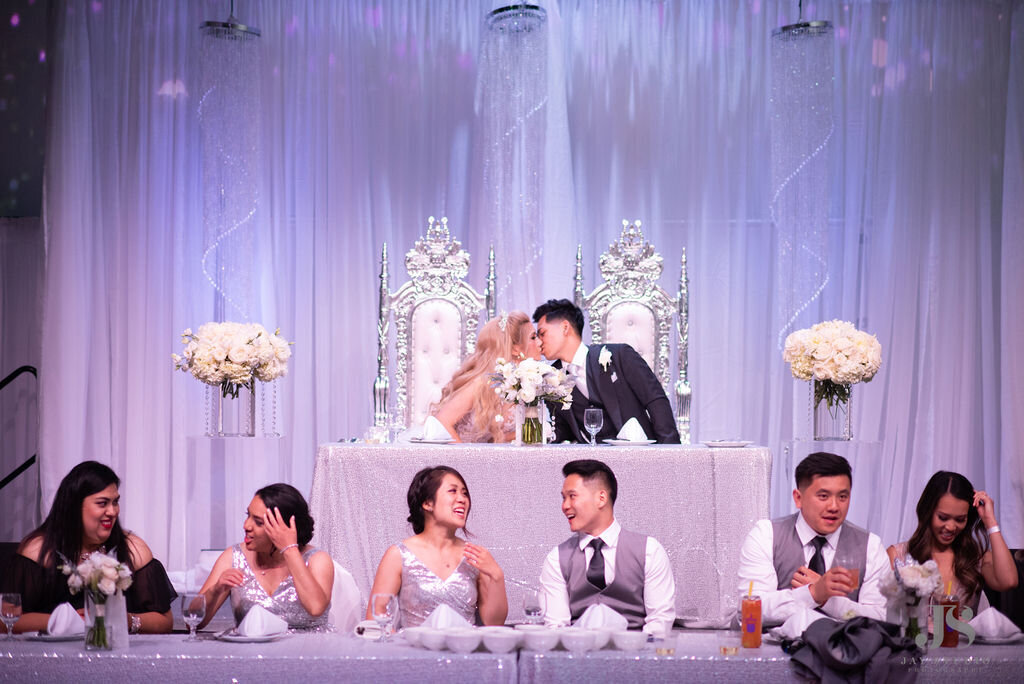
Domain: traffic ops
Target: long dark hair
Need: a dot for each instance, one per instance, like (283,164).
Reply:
(61,532)
(424,488)
(290,502)
(968,546)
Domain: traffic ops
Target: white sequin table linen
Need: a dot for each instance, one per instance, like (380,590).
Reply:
(294,658)
(697,659)
(698,502)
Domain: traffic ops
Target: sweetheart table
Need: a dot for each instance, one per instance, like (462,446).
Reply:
(698,502)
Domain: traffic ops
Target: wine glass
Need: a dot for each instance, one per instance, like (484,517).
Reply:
(193,610)
(10,611)
(593,420)
(385,612)
(532,607)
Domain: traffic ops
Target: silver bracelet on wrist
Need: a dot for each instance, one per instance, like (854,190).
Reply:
(136,625)
(992,530)
(290,546)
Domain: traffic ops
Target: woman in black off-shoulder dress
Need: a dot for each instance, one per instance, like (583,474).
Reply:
(84,519)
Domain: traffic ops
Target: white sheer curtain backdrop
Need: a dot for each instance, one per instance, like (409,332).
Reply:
(370,121)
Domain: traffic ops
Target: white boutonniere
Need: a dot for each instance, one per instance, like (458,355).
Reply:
(604,358)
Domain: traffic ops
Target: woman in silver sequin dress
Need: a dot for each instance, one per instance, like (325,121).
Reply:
(469,408)
(434,566)
(274,566)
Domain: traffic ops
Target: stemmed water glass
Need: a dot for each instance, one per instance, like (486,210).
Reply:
(385,612)
(593,420)
(532,607)
(10,611)
(193,610)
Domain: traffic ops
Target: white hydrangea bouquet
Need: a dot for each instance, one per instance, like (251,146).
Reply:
(100,576)
(904,588)
(835,355)
(527,385)
(233,355)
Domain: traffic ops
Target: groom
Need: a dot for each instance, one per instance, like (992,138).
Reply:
(612,377)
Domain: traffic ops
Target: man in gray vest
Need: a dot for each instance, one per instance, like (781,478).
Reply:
(603,563)
(787,558)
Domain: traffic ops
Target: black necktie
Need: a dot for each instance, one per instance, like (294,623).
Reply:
(817,563)
(595,571)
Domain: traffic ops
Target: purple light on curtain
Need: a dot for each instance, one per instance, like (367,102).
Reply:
(801,129)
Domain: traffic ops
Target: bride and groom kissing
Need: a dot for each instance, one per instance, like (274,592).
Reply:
(612,377)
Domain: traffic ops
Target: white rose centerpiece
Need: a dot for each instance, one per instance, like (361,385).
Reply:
(529,384)
(834,355)
(233,355)
(904,589)
(100,576)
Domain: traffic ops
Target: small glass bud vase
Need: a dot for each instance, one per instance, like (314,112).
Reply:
(530,424)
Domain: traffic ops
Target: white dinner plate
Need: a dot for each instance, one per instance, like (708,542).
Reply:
(424,440)
(239,639)
(629,442)
(39,636)
(1000,640)
(726,444)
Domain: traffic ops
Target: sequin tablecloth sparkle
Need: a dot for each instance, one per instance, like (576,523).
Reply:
(294,658)
(698,502)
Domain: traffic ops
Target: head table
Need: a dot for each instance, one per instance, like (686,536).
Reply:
(698,502)
(333,657)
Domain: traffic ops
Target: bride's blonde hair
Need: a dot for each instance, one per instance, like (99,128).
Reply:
(495,341)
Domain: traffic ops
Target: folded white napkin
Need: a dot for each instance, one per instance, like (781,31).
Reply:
(797,623)
(445,617)
(261,622)
(65,621)
(367,629)
(632,431)
(600,616)
(991,624)
(434,430)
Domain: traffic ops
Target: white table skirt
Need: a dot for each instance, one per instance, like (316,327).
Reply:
(698,502)
(294,658)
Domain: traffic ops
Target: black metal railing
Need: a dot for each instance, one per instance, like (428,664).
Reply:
(10,477)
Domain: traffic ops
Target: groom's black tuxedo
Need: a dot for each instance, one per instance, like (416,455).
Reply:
(626,389)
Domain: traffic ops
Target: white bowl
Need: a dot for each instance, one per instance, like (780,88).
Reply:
(500,639)
(540,639)
(531,628)
(462,640)
(431,638)
(602,637)
(577,640)
(629,641)
(413,635)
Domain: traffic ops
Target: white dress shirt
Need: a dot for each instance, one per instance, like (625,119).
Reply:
(579,359)
(757,565)
(659,585)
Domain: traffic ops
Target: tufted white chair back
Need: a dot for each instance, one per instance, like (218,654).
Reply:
(436,342)
(633,323)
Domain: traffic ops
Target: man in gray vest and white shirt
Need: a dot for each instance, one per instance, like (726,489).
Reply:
(603,563)
(787,558)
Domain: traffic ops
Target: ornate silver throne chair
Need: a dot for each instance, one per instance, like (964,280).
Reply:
(630,307)
(436,314)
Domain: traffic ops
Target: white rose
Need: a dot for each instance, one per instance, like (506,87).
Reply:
(109,572)
(74,583)
(107,586)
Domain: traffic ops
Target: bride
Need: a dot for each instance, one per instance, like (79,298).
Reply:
(469,408)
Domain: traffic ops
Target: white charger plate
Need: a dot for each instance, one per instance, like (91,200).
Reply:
(240,639)
(424,440)
(726,444)
(629,442)
(39,636)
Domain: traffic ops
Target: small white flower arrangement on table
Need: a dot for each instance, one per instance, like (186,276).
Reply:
(905,587)
(526,384)
(100,576)
(835,355)
(233,355)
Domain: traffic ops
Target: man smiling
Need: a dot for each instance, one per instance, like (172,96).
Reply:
(786,559)
(603,563)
